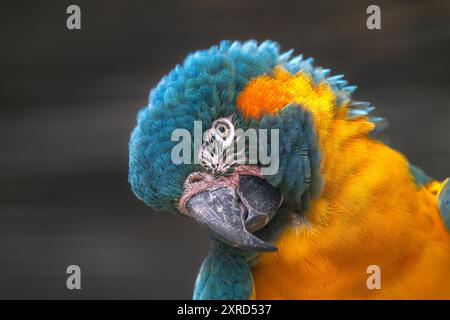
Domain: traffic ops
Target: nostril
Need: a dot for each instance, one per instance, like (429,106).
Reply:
(196,178)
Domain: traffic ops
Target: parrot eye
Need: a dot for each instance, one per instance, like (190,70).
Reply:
(217,152)
(222,130)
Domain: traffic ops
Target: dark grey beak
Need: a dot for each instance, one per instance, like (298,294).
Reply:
(230,215)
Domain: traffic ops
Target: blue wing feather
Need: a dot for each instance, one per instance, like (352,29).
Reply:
(444,203)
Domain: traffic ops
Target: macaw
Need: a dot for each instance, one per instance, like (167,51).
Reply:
(341,200)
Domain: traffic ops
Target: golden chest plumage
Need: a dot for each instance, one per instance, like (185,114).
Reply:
(376,217)
(370,211)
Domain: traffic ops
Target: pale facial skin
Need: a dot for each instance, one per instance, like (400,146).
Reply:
(232,205)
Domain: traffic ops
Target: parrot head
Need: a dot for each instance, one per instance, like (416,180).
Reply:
(230,87)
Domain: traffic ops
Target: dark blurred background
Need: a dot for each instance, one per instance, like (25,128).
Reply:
(68,101)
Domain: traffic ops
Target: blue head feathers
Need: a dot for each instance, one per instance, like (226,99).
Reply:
(205,88)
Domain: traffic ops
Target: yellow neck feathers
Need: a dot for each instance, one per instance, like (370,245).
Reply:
(370,211)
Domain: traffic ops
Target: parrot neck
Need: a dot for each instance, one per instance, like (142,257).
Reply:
(370,213)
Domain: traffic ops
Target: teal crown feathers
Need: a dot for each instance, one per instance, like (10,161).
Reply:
(204,88)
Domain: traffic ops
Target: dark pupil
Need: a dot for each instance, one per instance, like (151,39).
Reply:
(221,129)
